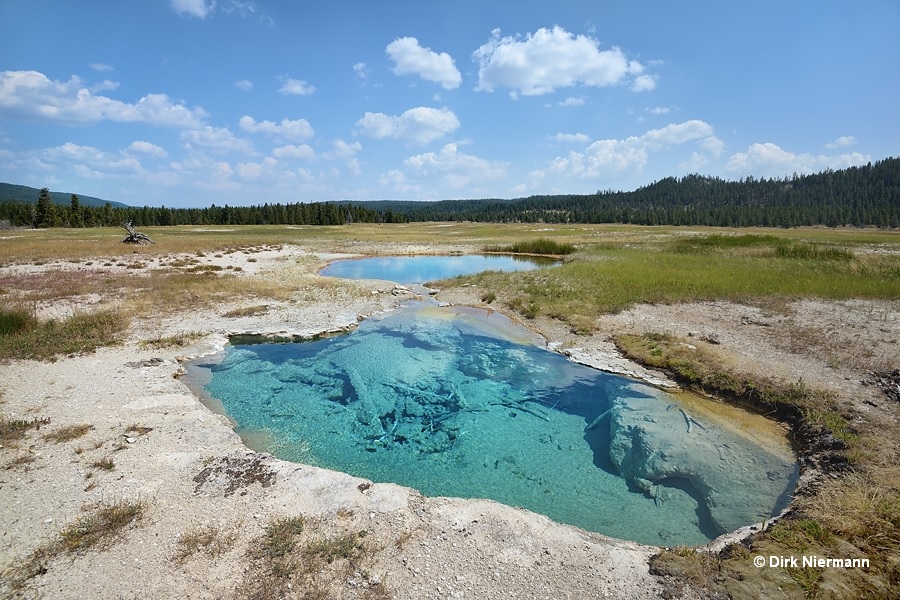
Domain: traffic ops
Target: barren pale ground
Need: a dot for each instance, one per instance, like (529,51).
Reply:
(208,504)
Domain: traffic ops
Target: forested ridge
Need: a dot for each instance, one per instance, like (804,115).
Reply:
(861,196)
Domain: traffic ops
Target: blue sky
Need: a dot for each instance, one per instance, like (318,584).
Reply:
(194,102)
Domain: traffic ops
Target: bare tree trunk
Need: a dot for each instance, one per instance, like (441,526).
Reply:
(135,237)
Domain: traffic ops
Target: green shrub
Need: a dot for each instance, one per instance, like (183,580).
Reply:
(542,246)
(15,429)
(16,320)
(805,251)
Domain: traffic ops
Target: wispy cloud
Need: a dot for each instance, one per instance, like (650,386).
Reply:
(614,157)
(195,8)
(361,71)
(295,87)
(244,84)
(290,129)
(146,149)
(841,142)
(89,162)
(218,140)
(578,138)
(204,8)
(293,152)
(346,151)
(573,101)
(454,169)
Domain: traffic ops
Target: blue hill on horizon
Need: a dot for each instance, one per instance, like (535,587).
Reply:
(10,192)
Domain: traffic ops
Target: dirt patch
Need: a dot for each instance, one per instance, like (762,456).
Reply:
(233,473)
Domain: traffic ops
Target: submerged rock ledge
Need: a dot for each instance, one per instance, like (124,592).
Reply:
(656,448)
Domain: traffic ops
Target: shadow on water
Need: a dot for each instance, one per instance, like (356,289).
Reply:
(705,522)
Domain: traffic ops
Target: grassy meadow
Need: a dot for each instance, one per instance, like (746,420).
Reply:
(607,269)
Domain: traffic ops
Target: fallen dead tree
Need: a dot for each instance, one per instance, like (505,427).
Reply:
(135,237)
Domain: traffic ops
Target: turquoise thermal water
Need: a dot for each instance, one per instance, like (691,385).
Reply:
(420,269)
(460,402)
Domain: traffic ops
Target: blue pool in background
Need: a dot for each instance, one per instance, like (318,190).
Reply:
(462,402)
(421,269)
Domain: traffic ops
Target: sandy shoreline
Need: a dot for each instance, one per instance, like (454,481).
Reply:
(186,467)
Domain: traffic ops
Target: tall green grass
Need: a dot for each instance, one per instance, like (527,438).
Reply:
(761,244)
(609,279)
(24,336)
(542,246)
(16,320)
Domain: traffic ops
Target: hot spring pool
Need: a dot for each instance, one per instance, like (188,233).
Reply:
(421,269)
(462,402)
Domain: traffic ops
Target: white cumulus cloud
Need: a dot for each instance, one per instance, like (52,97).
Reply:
(32,95)
(643,83)
(550,59)
(419,125)
(295,130)
(244,84)
(412,59)
(770,160)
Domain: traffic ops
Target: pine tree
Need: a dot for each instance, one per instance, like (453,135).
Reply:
(45,212)
(75,218)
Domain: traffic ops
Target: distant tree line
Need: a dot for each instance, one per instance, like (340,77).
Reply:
(865,196)
(44,213)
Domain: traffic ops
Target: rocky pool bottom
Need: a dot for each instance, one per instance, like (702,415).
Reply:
(462,402)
